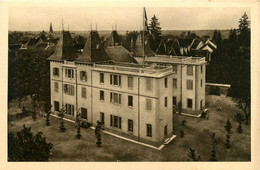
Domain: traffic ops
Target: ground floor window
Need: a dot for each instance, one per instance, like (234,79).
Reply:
(149,130)
(115,121)
(189,103)
(102,118)
(201,107)
(56,106)
(130,125)
(174,101)
(165,130)
(70,109)
(84,113)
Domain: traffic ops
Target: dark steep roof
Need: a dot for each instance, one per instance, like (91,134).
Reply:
(64,49)
(138,49)
(185,42)
(114,39)
(93,50)
(119,54)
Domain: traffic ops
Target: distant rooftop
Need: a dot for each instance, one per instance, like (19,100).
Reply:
(175,60)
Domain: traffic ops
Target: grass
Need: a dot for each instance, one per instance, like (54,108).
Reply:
(197,136)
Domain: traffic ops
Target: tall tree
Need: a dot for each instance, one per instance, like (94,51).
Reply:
(213,149)
(155,30)
(192,155)
(240,74)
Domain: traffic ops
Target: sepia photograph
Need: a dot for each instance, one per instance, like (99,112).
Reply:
(129,84)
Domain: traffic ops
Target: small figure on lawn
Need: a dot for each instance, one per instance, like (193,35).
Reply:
(97,133)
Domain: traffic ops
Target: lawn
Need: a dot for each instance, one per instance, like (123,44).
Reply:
(197,136)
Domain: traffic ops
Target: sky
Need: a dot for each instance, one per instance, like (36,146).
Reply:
(80,18)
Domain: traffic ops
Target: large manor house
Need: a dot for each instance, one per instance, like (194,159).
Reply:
(135,94)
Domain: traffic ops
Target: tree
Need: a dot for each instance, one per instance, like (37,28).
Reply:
(239,119)
(240,74)
(61,115)
(78,136)
(28,147)
(98,134)
(228,128)
(155,30)
(213,149)
(192,155)
(48,112)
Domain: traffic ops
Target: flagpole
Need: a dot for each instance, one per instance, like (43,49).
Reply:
(143,34)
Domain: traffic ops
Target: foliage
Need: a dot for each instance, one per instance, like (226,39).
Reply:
(214,90)
(98,134)
(192,155)
(61,115)
(155,30)
(78,136)
(48,112)
(239,119)
(228,128)
(28,147)
(28,74)
(181,133)
(213,149)
(183,122)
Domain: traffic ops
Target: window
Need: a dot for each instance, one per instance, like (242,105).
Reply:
(200,82)
(69,89)
(130,125)
(83,92)
(130,82)
(115,121)
(84,113)
(190,70)
(189,84)
(174,83)
(201,68)
(174,101)
(174,68)
(165,82)
(115,79)
(148,84)
(83,76)
(56,86)
(102,95)
(148,104)
(149,130)
(115,98)
(165,130)
(56,106)
(102,118)
(69,109)
(189,105)
(165,102)
(130,101)
(69,73)
(56,72)
(101,78)
(201,101)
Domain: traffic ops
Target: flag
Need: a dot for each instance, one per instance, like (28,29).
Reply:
(146,28)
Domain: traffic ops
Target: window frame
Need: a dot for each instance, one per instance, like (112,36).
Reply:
(173,84)
(165,102)
(83,95)
(56,103)
(149,130)
(56,86)
(101,95)
(84,109)
(83,76)
(130,101)
(130,125)
(101,78)
(189,70)
(56,72)
(165,82)
(188,103)
(189,84)
(130,82)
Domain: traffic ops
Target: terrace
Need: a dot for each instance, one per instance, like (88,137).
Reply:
(175,60)
(137,69)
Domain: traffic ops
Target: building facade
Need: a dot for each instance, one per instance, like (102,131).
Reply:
(128,98)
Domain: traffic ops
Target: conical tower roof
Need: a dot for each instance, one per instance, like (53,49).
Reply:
(93,50)
(65,49)
(139,50)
